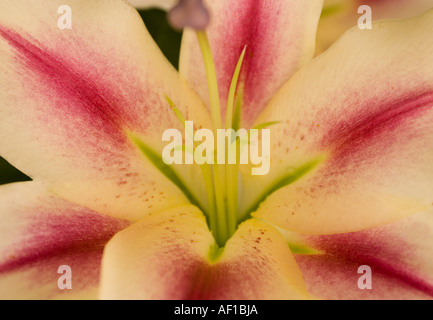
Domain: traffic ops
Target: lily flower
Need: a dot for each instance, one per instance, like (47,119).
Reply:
(83,111)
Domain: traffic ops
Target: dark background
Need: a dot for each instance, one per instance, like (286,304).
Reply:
(167,39)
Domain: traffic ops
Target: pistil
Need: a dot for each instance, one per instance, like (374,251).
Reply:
(232,169)
(222,234)
(221,181)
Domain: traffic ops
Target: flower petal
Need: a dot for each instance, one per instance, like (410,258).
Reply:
(367,103)
(41,232)
(171,255)
(69,96)
(399,254)
(341,15)
(279,36)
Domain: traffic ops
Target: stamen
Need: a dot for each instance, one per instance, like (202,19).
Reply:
(218,170)
(221,180)
(205,171)
(232,170)
(232,91)
(189,13)
(211,77)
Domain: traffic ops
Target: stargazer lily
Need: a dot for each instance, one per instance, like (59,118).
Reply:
(83,110)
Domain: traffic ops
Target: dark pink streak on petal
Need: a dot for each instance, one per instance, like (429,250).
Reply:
(58,75)
(381,259)
(329,277)
(196,279)
(84,86)
(49,241)
(58,235)
(385,252)
(81,97)
(224,282)
(350,136)
(199,281)
(252,26)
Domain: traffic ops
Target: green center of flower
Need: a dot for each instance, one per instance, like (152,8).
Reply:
(221,178)
(223,192)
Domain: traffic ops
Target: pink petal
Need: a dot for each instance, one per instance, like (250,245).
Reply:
(279,36)
(69,96)
(367,104)
(399,255)
(40,233)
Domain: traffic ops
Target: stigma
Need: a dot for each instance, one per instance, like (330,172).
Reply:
(189,13)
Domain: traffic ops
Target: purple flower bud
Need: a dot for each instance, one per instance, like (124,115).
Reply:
(189,13)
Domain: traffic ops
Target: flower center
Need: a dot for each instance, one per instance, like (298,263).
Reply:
(221,180)
(224,194)
(220,177)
